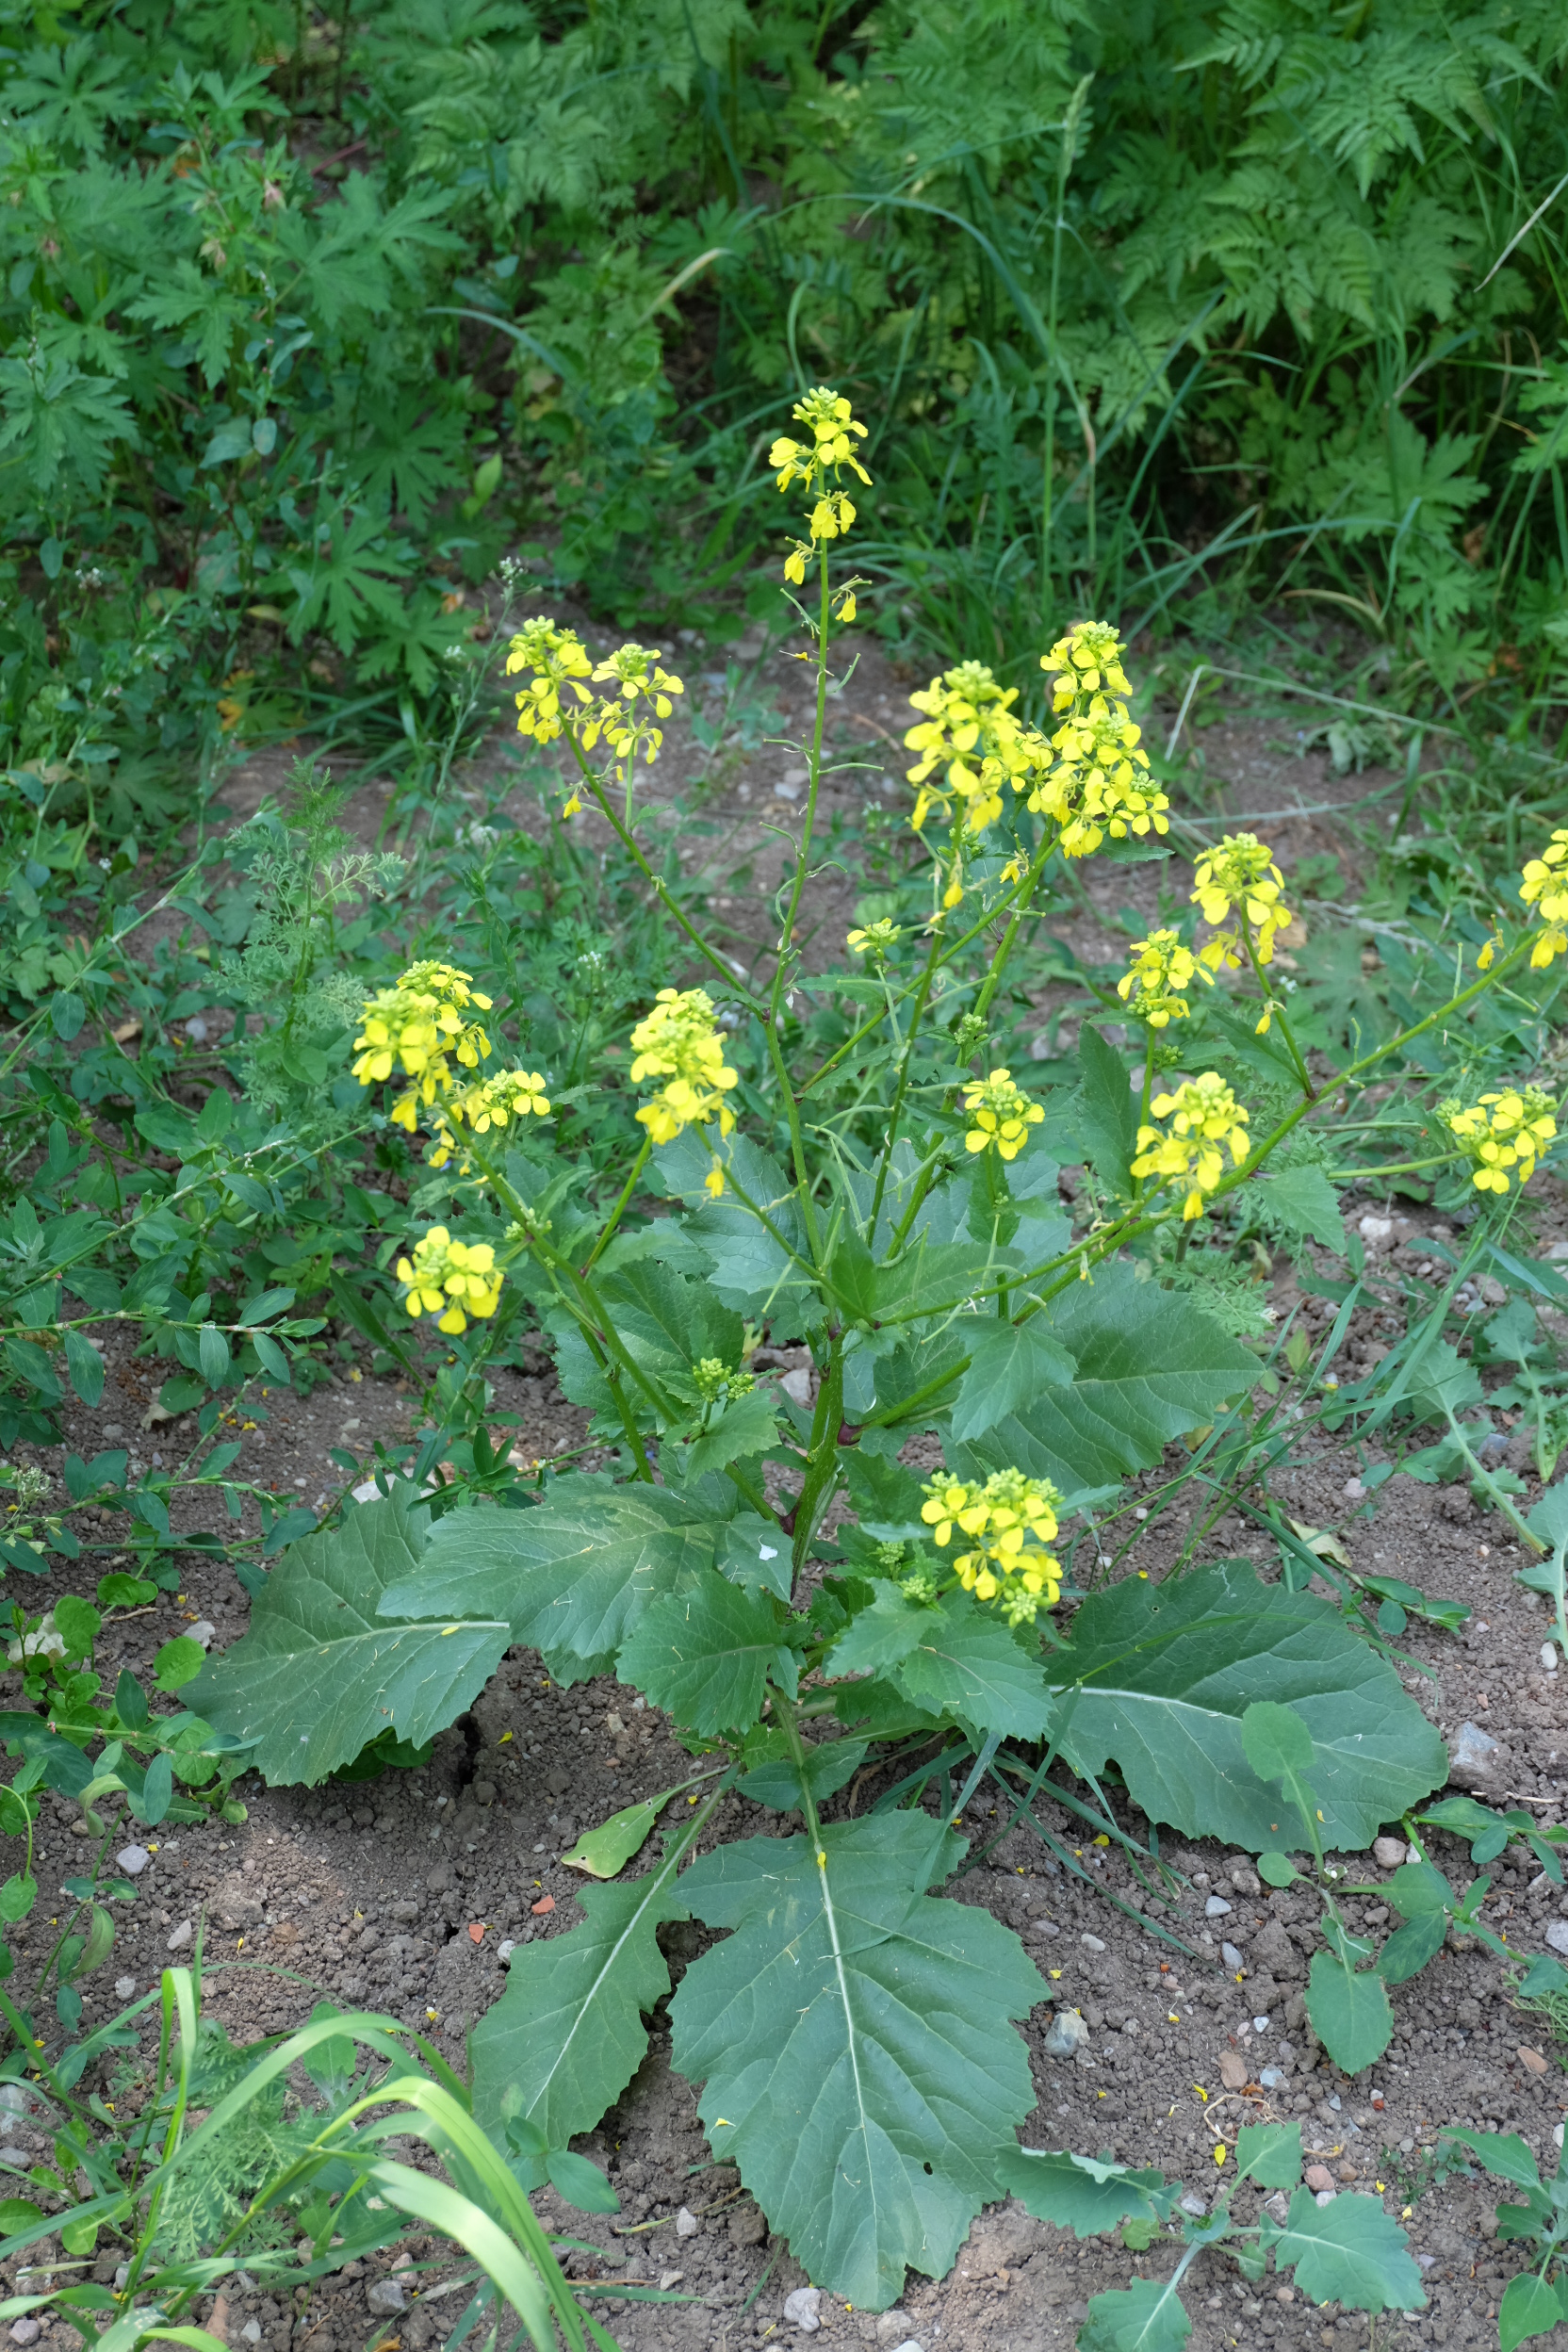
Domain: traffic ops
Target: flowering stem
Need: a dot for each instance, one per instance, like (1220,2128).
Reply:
(1402,1168)
(656,881)
(921,997)
(1277,1012)
(1022,904)
(637,1167)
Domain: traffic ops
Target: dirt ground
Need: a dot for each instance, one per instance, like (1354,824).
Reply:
(402,1893)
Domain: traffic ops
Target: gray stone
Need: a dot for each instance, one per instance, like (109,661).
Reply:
(1068,2035)
(251,2332)
(686,2222)
(133,1860)
(1232,1957)
(1092,1943)
(910,2344)
(1388,1853)
(890,2326)
(124,1987)
(204,1631)
(1217,1908)
(1557,1936)
(234,1906)
(1473,1754)
(801,2310)
(1193,2203)
(180,1937)
(386,2299)
(25,2331)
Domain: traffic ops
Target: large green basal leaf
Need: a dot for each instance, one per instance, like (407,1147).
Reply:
(851,2040)
(567,2035)
(1148,2316)
(1151,1366)
(1351,2252)
(319,1674)
(572,1576)
(703,1653)
(1158,1676)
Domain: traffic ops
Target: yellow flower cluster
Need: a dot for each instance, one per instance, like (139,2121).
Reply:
(1205,1117)
(817,464)
(1000,1114)
(418,1024)
(494,1103)
(968,732)
(1546,888)
(878,940)
(678,1041)
(1099,780)
(1162,967)
(559,662)
(1503,1132)
(449,1279)
(1240,876)
(1010,1517)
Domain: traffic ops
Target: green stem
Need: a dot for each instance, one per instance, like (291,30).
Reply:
(885,1163)
(1478,1471)
(822,1455)
(618,1210)
(1275,1011)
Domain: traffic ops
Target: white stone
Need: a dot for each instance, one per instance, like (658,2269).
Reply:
(801,2309)
(1092,1943)
(1354,1491)
(668,2278)
(1548,1656)
(1388,1853)
(1217,1908)
(180,1937)
(910,2344)
(24,2331)
(505,1948)
(686,2222)
(1193,2203)
(251,2332)
(386,2299)
(1472,1750)
(1325,2197)
(204,1631)
(124,1987)
(798,1387)
(1557,1935)
(1231,1956)
(1278,2205)
(133,1860)
(1377,1232)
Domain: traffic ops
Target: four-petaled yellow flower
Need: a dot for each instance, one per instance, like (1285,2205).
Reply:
(1097,781)
(1240,876)
(1205,1120)
(416,1024)
(494,1103)
(1162,967)
(1008,1519)
(679,1042)
(1503,1133)
(876,939)
(971,745)
(1544,887)
(1000,1113)
(451,1279)
(559,660)
(816,465)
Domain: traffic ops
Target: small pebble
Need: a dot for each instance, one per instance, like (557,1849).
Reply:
(1259,2025)
(180,1937)
(1066,2035)
(1548,1656)
(1557,1935)
(386,2299)
(203,1633)
(686,2222)
(25,2331)
(1325,2197)
(1354,1491)
(505,1948)
(1388,1853)
(1231,1954)
(1217,1908)
(124,1987)
(251,2332)
(1270,2078)
(1193,2203)
(1092,1943)
(1318,2178)
(133,1860)
(801,2309)
(668,2278)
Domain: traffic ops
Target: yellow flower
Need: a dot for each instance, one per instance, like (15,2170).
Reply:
(817,464)
(449,1279)
(572,807)
(415,1026)
(1162,967)
(1240,876)
(559,660)
(494,1103)
(1502,1133)
(1000,1113)
(1544,887)
(1011,1515)
(1097,781)
(970,744)
(878,940)
(713,1183)
(679,1042)
(1204,1120)
(636,671)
